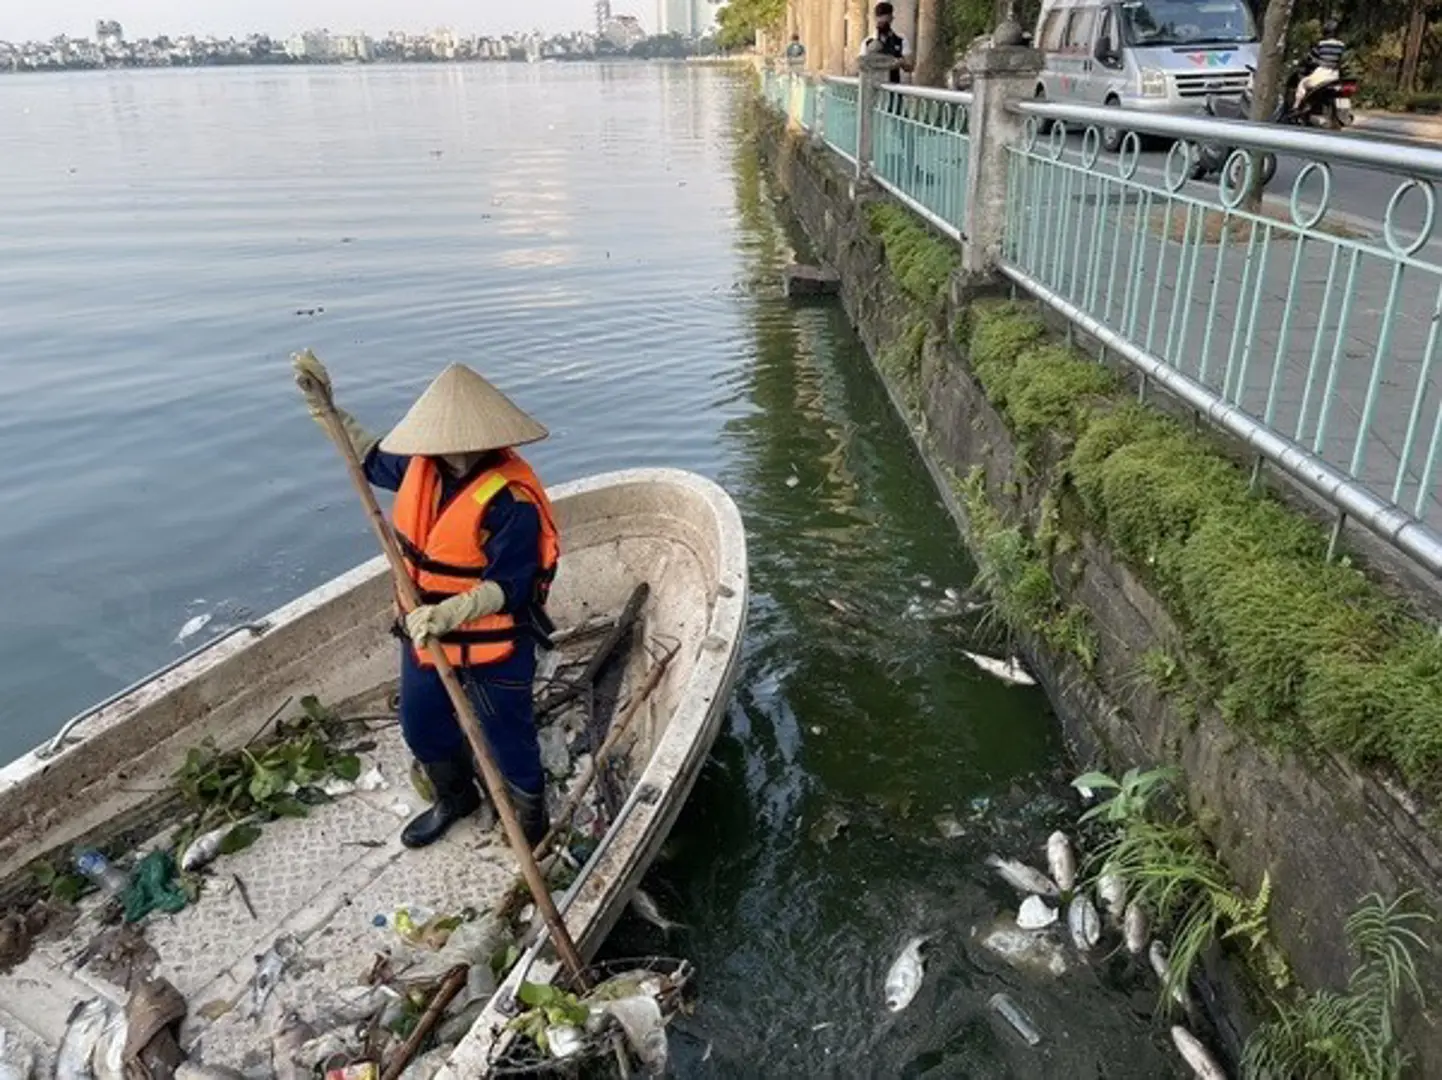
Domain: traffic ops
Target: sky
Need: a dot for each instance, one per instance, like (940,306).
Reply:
(26,20)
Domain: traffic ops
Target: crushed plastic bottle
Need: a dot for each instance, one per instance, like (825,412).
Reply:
(1012,1014)
(109,879)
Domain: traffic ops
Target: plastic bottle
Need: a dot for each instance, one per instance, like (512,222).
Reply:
(1016,1018)
(107,878)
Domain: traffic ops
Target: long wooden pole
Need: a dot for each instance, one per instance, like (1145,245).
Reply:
(465,713)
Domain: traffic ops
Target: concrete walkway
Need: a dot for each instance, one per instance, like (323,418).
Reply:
(1291,331)
(1399,125)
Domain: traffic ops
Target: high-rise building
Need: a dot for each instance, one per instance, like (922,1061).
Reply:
(675,17)
(603,15)
(108,34)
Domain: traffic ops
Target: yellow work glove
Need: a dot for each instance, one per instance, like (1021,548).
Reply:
(436,620)
(314,382)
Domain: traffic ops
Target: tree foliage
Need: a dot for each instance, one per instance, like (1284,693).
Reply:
(738,21)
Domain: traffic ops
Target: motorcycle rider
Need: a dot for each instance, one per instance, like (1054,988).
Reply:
(1325,61)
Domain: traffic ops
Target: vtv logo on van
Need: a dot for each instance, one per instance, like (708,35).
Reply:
(1210,59)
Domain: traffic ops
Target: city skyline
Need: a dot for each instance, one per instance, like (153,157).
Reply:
(280,18)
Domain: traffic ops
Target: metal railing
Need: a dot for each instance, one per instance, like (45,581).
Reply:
(921,151)
(1306,337)
(1311,336)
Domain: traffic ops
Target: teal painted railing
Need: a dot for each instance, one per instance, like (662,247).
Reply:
(921,152)
(1310,336)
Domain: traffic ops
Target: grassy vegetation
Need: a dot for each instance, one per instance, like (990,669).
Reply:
(921,263)
(1306,652)
(1018,578)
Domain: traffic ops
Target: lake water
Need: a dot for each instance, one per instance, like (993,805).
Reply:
(598,241)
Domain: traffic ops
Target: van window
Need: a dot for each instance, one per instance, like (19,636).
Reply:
(1187,22)
(1050,37)
(1077,36)
(1107,31)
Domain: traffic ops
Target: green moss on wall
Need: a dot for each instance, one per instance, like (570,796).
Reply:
(921,263)
(1310,653)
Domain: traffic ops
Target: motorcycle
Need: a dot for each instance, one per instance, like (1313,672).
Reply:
(1328,105)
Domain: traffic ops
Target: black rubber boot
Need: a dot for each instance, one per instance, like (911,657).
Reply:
(531,811)
(456,797)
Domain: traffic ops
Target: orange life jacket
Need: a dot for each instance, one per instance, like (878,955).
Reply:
(445,554)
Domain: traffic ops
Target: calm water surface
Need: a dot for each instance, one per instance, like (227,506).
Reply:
(599,241)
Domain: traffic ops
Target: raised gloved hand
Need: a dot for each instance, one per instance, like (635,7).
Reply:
(435,620)
(314,382)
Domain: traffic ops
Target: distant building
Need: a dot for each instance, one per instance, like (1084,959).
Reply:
(603,16)
(623,31)
(108,34)
(703,17)
(352,47)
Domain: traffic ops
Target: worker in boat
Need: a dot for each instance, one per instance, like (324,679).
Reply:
(478,536)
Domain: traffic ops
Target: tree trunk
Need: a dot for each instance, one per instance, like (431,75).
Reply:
(1267,84)
(931,65)
(1412,47)
(856,31)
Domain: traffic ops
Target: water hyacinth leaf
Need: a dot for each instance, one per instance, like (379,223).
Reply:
(347,767)
(266,784)
(287,806)
(44,874)
(1095,781)
(537,995)
(239,838)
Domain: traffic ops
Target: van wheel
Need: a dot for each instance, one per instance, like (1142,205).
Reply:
(1112,137)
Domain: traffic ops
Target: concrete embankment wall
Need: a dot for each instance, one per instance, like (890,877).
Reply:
(1326,832)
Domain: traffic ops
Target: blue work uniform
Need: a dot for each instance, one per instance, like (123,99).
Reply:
(499,692)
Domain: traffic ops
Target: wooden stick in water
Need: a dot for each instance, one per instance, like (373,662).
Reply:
(573,800)
(445,993)
(409,600)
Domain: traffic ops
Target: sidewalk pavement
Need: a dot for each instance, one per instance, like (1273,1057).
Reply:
(1399,125)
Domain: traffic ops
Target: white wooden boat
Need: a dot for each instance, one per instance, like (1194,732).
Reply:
(324,877)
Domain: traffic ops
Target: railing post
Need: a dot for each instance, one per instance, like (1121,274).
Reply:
(999,74)
(872,69)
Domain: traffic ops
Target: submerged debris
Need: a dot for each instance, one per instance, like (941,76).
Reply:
(1034,953)
(1035,914)
(1012,1013)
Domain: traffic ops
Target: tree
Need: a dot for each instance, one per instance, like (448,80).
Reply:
(1267,82)
(738,21)
(931,58)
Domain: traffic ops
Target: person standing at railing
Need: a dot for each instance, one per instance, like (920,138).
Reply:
(1325,61)
(795,53)
(887,42)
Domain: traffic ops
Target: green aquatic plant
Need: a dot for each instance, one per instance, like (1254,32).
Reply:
(1173,874)
(1302,650)
(1350,1035)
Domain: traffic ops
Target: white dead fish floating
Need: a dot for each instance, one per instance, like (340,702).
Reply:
(1022,877)
(1113,893)
(1083,922)
(904,978)
(1158,956)
(643,905)
(1061,861)
(1195,1054)
(1134,927)
(1008,671)
(192,626)
(1035,914)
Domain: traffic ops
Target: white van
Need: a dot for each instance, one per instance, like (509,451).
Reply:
(1159,55)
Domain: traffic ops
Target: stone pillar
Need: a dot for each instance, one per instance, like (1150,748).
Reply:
(873,69)
(999,74)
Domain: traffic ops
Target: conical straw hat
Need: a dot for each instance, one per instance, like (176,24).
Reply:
(461,413)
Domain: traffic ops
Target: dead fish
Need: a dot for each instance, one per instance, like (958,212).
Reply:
(904,978)
(189,1070)
(193,625)
(1083,922)
(565,1040)
(645,906)
(948,826)
(640,1018)
(1035,914)
(108,1061)
(83,1029)
(1008,671)
(1195,1054)
(1113,892)
(1134,927)
(203,850)
(1022,877)
(1158,956)
(1061,861)
(268,970)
